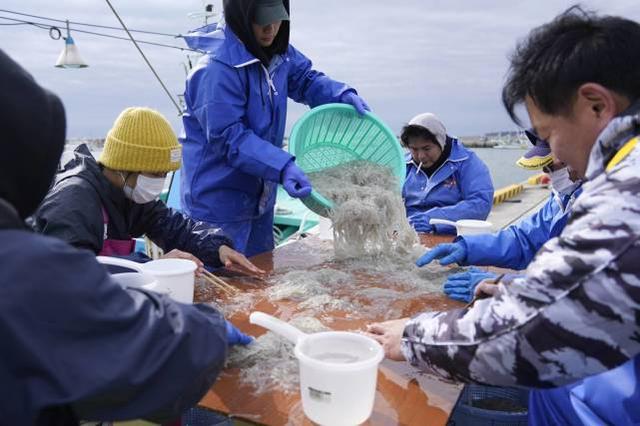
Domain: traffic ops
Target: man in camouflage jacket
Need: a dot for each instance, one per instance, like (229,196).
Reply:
(575,312)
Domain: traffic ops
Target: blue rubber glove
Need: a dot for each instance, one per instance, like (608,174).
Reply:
(358,103)
(421,223)
(462,286)
(235,336)
(295,182)
(448,253)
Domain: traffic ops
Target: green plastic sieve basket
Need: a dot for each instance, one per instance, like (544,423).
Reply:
(333,134)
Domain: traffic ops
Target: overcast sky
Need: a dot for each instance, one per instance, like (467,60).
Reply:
(405,56)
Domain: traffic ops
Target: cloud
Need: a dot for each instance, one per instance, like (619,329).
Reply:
(404,57)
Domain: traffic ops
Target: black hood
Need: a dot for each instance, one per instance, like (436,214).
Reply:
(32,125)
(238,15)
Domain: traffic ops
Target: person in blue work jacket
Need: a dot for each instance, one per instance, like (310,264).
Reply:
(515,246)
(236,105)
(75,344)
(444,179)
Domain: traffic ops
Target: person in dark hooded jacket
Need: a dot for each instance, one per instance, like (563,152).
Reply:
(234,123)
(75,344)
(102,206)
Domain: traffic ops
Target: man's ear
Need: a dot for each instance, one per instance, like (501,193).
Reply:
(602,102)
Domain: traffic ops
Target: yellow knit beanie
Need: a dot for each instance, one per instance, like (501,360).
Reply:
(141,140)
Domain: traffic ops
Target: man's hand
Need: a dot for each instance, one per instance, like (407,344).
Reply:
(389,335)
(230,258)
(178,254)
(486,288)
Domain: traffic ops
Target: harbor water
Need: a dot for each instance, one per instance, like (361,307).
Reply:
(502,165)
(501,162)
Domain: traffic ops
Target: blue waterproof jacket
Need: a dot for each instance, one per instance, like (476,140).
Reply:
(515,246)
(609,398)
(235,121)
(76,345)
(460,189)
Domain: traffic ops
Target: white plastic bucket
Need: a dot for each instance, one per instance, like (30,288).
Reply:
(127,265)
(176,277)
(338,371)
(466,226)
(338,375)
(136,279)
(133,275)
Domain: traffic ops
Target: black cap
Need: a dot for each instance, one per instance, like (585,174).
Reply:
(270,11)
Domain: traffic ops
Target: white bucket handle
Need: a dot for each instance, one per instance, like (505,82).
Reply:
(116,261)
(441,222)
(280,327)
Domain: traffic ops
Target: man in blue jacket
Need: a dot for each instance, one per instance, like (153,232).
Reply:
(236,105)
(75,344)
(444,179)
(515,246)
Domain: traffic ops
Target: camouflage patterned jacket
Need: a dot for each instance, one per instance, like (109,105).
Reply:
(576,312)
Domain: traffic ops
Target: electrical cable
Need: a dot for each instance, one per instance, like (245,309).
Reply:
(90,25)
(145,58)
(49,27)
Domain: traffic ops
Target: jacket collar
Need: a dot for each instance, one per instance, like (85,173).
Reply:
(233,52)
(458,153)
(616,134)
(566,201)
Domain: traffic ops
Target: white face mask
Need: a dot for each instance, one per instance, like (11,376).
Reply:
(561,182)
(146,190)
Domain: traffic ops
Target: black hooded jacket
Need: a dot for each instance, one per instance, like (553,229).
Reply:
(32,123)
(238,14)
(72,211)
(75,344)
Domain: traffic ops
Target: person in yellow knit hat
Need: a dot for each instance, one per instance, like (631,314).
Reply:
(103,205)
